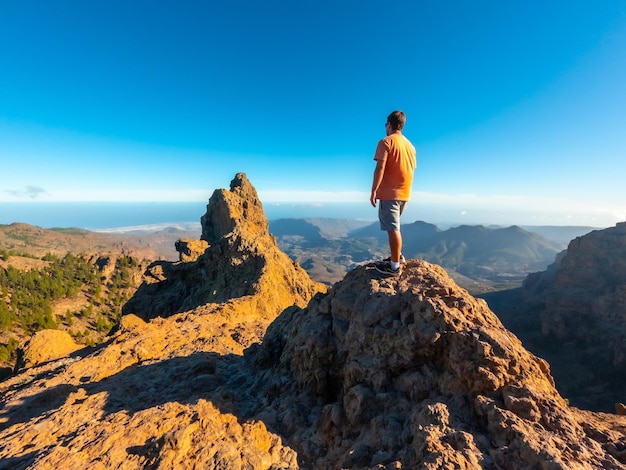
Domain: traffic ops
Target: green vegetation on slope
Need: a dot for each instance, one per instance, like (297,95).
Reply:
(91,301)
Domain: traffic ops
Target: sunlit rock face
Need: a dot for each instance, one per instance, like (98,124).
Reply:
(236,262)
(238,360)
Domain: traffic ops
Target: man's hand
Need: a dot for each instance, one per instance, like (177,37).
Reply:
(373,199)
(378,178)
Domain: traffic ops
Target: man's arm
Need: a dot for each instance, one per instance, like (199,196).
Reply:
(379,171)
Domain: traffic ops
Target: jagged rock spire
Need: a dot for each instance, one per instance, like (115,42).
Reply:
(237,212)
(241,264)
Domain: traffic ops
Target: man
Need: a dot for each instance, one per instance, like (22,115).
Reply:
(393,177)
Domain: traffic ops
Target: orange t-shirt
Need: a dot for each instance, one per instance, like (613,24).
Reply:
(398,155)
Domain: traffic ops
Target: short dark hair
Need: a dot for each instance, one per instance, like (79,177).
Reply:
(396,119)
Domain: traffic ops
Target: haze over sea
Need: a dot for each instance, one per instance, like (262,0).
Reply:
(98,216)
(124,216)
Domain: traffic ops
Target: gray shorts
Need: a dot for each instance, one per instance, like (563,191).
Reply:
(389,213)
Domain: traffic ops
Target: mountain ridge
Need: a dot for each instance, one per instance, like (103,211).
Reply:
(481,258)
(577,303)
(24,238)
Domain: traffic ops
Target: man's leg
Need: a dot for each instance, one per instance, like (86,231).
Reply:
(395,244)
(389,214)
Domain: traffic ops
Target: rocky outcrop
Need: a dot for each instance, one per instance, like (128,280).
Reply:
(237,215)
(386,373)
(44,346)
(190,250)
(105,264)
(415,373)
(578,312)
(240,270)
(587,286)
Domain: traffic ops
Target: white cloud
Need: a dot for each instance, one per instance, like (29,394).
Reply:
(107,195)
(28,192)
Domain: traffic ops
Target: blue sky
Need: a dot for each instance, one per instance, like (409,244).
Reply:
(517,109)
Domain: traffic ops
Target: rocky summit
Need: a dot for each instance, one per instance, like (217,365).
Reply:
(233,359)
(415,373)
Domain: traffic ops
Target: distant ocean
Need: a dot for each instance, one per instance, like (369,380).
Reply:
(103,215)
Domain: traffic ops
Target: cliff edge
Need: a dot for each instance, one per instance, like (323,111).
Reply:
(574,315)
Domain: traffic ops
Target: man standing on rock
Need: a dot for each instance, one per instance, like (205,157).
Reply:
(393,177)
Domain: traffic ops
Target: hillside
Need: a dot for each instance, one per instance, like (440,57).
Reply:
(240,361)
(78,294)
(23,238)
(70,279)
(479,252)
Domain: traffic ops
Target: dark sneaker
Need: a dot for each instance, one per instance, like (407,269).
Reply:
(386,269)
(402,260)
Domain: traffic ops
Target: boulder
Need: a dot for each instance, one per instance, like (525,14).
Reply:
(189,250)
(45,346)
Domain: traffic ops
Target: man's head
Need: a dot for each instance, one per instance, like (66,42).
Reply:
(396,121)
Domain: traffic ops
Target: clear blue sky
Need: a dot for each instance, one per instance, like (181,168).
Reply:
(517,109)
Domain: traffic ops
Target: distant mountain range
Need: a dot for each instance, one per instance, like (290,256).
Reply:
(479,258)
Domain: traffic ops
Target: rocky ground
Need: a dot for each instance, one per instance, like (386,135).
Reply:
(237,360)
